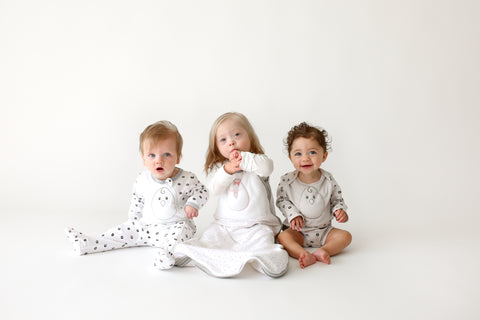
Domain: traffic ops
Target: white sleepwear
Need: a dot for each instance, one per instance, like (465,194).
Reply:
(156,218)
(315,203)
(245,224)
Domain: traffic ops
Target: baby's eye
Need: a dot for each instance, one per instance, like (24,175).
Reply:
(167,154)
(222,140)
(297,154)
(151,155)
(237,134)
(313,152)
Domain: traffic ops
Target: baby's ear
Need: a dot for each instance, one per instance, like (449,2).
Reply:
(325,155)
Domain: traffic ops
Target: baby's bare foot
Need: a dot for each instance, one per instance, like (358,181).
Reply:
(322,255)
(306,259)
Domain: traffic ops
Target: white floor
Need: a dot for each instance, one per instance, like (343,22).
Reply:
(396,273)
(395,83)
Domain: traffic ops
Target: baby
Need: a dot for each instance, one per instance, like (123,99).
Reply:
(165,199)
(309,198)
(245,224)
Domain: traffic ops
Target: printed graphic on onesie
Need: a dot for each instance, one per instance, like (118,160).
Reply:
(163,203)
(311,202)
(238,198)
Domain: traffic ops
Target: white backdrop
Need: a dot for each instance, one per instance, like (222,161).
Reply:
(396,84)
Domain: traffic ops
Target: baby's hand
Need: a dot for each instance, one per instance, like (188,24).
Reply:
(341,215)
(236,159)
(236,156)
(296,223)
(191,212)
(233,165)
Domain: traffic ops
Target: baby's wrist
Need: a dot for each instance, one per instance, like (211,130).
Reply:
(227,168)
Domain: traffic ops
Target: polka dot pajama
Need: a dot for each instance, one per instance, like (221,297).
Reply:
(156,218)
(136,234)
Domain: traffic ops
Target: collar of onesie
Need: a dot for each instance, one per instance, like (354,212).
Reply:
(292,176)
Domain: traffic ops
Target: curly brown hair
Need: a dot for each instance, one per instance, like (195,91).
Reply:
(304,130)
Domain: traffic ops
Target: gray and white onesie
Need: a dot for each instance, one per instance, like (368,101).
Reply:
(156,218)
(315,203)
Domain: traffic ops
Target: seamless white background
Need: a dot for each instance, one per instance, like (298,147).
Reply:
(396,84)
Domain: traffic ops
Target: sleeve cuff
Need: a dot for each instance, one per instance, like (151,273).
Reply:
(192,204)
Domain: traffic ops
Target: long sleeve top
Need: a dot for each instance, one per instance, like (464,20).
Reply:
(245,197)
(315,202)
(164,201)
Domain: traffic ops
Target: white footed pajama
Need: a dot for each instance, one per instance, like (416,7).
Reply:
(156,218)
(245,224)
(136,234)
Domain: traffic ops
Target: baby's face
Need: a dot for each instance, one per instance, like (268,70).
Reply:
(307,155)
(161,157)
(231,137)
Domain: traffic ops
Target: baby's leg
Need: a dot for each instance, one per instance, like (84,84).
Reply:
(336,241)
(292,241)
(172,235)
(124,235)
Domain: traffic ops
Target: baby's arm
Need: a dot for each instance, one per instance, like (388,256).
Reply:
(337,204)
(286,206)
(220,181)
(259,164)
(198,196)
(136,203)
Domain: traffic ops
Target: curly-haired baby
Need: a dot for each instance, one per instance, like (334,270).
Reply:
(309,198)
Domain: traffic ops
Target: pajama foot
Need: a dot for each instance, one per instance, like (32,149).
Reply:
(77,240)
(164,260)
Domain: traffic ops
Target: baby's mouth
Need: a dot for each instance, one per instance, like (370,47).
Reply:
(306,166)
(159,169)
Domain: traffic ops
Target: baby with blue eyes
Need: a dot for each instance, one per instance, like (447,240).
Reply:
(310,198)
(165,199)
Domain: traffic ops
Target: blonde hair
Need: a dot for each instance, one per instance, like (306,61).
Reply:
(213,155)
(158,131)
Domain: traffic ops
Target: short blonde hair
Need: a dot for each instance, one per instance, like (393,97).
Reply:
(161,130)
(213,155)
